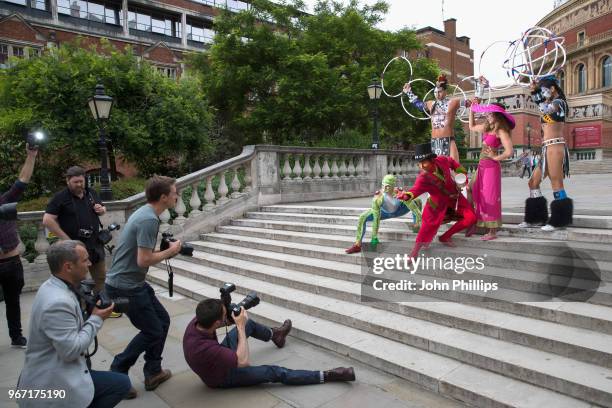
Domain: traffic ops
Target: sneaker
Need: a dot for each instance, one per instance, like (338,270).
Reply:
(115,315)
(20,342)
(548,228)
(528,225)
(154,381)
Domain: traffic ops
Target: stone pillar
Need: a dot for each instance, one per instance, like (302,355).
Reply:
(184,29)
(124,12)
(267,177)
(53,9)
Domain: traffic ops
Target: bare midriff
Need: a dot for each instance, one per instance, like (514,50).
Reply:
(553,130)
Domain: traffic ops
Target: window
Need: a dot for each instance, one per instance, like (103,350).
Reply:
(581,38)
(581,76)
(156,23)
(39,4)
(100,12)
(4,53)
(169,72)
(20,2)
(606,71)
(199,32)
(562,79)
(18,52)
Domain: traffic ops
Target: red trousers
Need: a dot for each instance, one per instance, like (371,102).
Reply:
(433,218)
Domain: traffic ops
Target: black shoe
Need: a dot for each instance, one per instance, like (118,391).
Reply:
(20,342)
(280,333)
(339,374)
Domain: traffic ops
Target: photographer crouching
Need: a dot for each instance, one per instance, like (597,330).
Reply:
(227,364)
(74,213)
(11,269)
(134,254)
(56,359)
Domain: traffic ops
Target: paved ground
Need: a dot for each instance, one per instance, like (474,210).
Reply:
(592,194)
(184,389)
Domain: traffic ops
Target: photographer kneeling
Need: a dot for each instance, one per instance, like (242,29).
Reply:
(226,364)
(56,357)
(134,254)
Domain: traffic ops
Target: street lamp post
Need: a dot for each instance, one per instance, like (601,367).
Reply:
(374,92)
(100,105)
(528,127)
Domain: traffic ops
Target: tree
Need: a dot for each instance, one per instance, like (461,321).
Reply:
(277,75)
(156,123)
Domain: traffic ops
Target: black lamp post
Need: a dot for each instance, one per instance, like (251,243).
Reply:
(374,92)
(100,105)
(528,127)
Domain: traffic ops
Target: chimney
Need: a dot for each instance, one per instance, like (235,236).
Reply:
(450,27)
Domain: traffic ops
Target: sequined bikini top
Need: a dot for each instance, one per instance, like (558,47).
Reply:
(438,114)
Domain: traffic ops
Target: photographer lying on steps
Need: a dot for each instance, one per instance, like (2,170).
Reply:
(227,364)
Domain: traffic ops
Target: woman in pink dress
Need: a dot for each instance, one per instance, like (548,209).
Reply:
(486,185)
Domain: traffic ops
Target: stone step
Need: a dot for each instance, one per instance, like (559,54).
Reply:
(446,376)
(582,344)
(520,245)
(565,262)
(542,282)
(583,315)
(402,230)
(565,375)
(579,221)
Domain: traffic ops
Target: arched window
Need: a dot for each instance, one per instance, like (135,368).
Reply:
(581,76)
(606,71)
(562,79)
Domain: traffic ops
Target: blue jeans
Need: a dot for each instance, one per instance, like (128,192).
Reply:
(245,376)
(109,388)
(150,317)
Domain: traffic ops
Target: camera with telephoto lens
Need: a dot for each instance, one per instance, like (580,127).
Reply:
(91,298)
(105,236)
(34,138)
(167,238)
(251,300)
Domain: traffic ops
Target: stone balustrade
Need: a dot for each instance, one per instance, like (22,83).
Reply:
(260,175)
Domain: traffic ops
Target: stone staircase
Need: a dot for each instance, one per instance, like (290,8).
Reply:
(501,353)
(591,166)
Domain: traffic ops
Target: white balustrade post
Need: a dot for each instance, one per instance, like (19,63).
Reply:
(164,217)
(351,167)
(195,201)
(223,190)
(307,168)
(343,168)
(236,185)
(287,169)
(297,167)
(334,168)
(180,209)
(41,245)
(360,167)
(209,195)
(317,168)
(326,169)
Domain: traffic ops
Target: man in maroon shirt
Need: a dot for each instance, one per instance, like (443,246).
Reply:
(11,270)
(226,364)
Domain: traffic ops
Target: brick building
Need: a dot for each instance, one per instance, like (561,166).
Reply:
(453,54)
(586,79)
(158,31)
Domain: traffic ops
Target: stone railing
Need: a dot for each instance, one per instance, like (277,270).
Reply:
(260,175)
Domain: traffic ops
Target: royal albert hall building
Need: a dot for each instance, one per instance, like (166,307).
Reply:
(586,79)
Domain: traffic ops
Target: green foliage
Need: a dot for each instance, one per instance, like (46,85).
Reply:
(156,123)
(302,79)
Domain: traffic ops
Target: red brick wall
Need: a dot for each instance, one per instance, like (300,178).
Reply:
(16,29)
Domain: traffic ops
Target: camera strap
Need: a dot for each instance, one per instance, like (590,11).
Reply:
(85,314)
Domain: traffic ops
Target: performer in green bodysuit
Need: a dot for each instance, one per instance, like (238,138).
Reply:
(385,205)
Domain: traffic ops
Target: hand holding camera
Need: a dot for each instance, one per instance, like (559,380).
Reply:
(176,246)
(103,313)
(242,318)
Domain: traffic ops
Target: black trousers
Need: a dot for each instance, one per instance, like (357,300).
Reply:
(11,280)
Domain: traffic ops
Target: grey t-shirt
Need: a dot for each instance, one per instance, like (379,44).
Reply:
(139,231)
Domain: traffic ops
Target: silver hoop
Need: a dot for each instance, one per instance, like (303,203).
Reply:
(428,116)
(382,76)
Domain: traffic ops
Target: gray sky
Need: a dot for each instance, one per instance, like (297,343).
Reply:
(508,19)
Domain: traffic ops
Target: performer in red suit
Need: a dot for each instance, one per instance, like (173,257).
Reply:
(445,202)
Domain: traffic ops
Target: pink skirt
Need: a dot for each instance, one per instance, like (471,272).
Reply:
(486,193)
